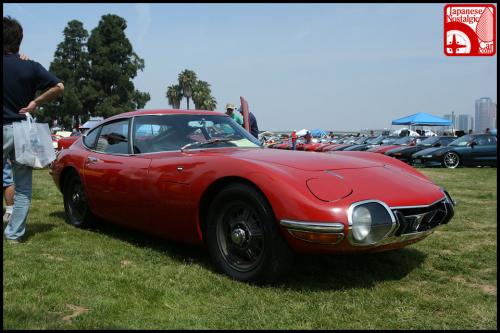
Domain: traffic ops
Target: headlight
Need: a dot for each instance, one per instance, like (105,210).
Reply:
(363,222)
(370,222)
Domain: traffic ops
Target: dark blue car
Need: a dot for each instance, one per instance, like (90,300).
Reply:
(468,150)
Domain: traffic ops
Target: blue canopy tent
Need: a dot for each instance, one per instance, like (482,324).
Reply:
(318,133)
(422,119)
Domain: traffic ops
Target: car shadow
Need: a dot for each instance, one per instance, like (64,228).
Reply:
(180,252)
(310,272)
(348,271)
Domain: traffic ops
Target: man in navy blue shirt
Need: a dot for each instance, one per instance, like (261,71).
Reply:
(254,129)
(21,80)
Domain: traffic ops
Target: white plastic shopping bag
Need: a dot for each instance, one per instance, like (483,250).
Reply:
(33,143)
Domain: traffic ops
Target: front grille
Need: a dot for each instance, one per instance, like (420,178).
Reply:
(419,219)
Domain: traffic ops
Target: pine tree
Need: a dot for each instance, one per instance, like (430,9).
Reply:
(113,65)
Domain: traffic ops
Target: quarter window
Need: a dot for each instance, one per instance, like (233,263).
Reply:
(89,139)
(113,138)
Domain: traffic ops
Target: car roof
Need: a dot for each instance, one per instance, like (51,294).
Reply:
(166,112)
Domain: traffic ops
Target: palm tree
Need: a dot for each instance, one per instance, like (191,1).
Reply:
(209,104)
(201,91)
(174,95)
(187,80)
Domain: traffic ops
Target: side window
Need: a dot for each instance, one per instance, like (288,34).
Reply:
(90,138)
(153,134)
(113,138)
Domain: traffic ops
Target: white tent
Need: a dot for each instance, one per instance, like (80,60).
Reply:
(430,133)
(302,132)
(412,133)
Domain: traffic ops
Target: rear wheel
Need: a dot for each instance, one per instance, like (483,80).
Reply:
(75,203)
(451,160)
(242,237)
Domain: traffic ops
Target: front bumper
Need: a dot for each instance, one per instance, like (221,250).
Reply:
(410,224)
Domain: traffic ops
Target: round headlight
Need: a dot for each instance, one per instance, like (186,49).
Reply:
(371,222)
(361,222)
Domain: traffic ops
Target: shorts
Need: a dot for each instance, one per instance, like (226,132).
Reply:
(7,174)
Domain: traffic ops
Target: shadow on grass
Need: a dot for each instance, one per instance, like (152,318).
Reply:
(310,272)
(33,229)
(345,271)
(177,251)
(59,214)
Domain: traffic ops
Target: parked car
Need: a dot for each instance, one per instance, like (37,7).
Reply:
(198,177)
(404,153)
(402,141)
(468,150)
(379,140)
(348,143)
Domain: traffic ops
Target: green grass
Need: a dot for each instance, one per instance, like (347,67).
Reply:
(110,277)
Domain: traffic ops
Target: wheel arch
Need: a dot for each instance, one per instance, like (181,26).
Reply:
(67,171)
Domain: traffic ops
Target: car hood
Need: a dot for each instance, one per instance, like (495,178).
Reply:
(309,161)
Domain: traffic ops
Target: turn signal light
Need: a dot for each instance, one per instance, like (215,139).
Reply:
(319,238)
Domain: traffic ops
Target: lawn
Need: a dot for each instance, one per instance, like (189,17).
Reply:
(111,278)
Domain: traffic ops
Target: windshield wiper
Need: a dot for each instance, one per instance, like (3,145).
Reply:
(199,143)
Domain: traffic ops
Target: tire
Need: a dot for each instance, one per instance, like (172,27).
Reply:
(451,160)
(243,238)
(75,203)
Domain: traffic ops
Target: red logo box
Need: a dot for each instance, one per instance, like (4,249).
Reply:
(470,30)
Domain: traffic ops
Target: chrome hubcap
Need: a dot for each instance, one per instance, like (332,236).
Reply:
(76,198)
(239,236)
(451,160)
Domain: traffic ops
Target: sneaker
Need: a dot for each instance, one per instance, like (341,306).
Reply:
(6,217)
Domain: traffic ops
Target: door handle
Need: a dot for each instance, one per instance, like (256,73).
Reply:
(91,159)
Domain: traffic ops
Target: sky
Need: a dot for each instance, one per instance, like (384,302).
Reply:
(345,67)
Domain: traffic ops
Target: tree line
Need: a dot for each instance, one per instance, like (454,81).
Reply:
(97,70)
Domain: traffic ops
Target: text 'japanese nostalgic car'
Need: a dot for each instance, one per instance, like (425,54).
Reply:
(200,178)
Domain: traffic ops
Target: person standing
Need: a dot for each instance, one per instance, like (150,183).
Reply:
(234,115)
(294,139)
(308,137)
(254,129)
(21,80)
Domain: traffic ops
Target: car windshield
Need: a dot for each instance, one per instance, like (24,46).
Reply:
(404,140)
(376,140)
(155,133)
(429,141)
(462,141)
(389,140)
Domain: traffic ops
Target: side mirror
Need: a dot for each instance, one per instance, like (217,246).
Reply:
(472,144)
(437,144)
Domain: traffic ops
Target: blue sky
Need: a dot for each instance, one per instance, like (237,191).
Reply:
(331,66)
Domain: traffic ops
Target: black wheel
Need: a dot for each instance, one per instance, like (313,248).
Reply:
(75,203)
(242,236)
(451,160)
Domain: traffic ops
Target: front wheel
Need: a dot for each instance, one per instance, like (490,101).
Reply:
(242,236)
(75,203)
(451,160)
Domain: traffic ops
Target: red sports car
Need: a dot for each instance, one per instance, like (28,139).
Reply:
(200,178)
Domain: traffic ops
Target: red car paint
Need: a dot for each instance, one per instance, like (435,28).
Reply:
(65,143)
(149,193)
